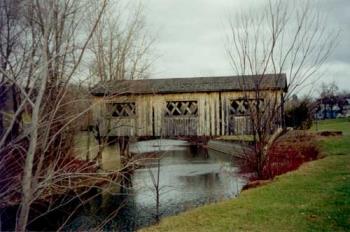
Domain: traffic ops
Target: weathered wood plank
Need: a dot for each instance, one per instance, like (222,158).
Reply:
(213,115)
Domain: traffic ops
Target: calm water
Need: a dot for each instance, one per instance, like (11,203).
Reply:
(188,177)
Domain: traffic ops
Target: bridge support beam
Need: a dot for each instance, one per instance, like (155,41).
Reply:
(127,167)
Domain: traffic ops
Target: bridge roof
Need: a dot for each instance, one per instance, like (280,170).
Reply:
(192,84)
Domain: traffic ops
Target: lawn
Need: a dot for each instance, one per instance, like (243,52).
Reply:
(316,197)
(335,146)
(333,125)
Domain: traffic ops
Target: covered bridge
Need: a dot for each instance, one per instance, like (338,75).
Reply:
(198,106)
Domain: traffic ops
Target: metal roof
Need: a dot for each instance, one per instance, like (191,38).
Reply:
(192,84)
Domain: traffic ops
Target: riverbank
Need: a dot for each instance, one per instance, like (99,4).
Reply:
(226,147)
(314,197)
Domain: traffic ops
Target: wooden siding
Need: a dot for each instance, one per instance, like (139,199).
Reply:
(213,117)
(240,125)
(179,126)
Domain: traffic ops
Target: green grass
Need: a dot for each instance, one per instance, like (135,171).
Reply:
(334,146)
(341,124)
(316,197)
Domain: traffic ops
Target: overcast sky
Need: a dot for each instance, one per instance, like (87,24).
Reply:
(191,35)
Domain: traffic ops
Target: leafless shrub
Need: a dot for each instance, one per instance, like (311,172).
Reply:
(285,37)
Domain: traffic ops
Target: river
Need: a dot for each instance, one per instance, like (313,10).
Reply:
(188,177)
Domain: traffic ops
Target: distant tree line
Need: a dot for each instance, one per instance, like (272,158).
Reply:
(330,103)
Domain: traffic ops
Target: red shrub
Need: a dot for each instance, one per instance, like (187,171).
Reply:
(286,154)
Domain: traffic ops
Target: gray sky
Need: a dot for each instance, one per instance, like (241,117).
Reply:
(191,35)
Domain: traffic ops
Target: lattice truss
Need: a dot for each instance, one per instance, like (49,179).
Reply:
(242,106)
(181,108)
(125,109)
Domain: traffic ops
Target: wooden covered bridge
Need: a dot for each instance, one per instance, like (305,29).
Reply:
(200,106)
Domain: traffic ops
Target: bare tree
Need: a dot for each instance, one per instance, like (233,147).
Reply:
(154,174)
(60,55)
(40,64)
(284,38)
(46,45)
(329,97)
(328,90)
(121,45)
(12,51)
